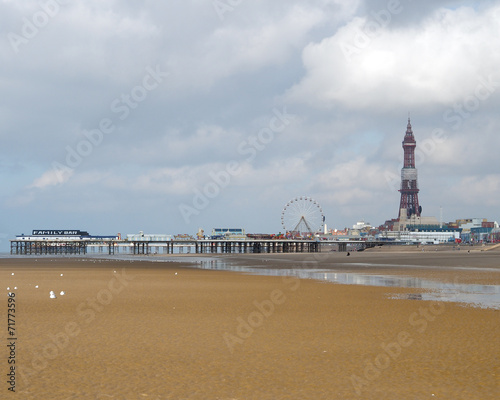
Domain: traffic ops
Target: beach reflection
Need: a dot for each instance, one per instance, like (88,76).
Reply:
(485,296)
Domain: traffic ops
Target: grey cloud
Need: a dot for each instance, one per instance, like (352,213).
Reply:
(225,78)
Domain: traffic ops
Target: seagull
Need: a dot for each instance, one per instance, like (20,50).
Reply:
(52,294)
(62,293)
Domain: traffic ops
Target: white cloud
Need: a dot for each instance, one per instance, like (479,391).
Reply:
(52,177)
(353,182)
(440,61)
(477,191)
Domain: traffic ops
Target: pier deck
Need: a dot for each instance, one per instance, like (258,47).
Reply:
(183,246)
(203,246)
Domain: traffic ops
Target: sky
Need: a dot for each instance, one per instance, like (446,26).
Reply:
(166,117)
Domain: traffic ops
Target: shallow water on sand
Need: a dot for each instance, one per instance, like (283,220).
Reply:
(476,295)
(484,296)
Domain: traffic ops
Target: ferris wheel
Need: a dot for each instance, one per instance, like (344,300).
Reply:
(302,215)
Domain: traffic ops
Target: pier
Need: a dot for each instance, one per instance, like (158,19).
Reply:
(195,246)
(184,246)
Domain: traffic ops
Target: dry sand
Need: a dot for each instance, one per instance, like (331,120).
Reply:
(163,331)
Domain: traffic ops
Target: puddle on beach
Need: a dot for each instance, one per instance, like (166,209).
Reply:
(484,296)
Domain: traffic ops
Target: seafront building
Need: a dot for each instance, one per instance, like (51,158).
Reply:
(477,230)
(148,237)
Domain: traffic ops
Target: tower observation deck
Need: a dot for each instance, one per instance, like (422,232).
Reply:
(409,179)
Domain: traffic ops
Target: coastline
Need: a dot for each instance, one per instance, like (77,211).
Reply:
(172,331)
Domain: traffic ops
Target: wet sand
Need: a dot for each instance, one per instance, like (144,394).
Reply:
(477,266)
(165,331)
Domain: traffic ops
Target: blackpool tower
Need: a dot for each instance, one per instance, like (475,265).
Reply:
(409,184)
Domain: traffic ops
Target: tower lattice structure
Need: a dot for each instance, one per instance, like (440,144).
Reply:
(409,182)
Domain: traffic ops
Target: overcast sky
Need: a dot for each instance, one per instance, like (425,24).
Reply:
(120,116)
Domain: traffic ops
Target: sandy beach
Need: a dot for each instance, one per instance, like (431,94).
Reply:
(164,330)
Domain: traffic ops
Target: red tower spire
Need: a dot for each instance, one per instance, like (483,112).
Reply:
(409,182)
